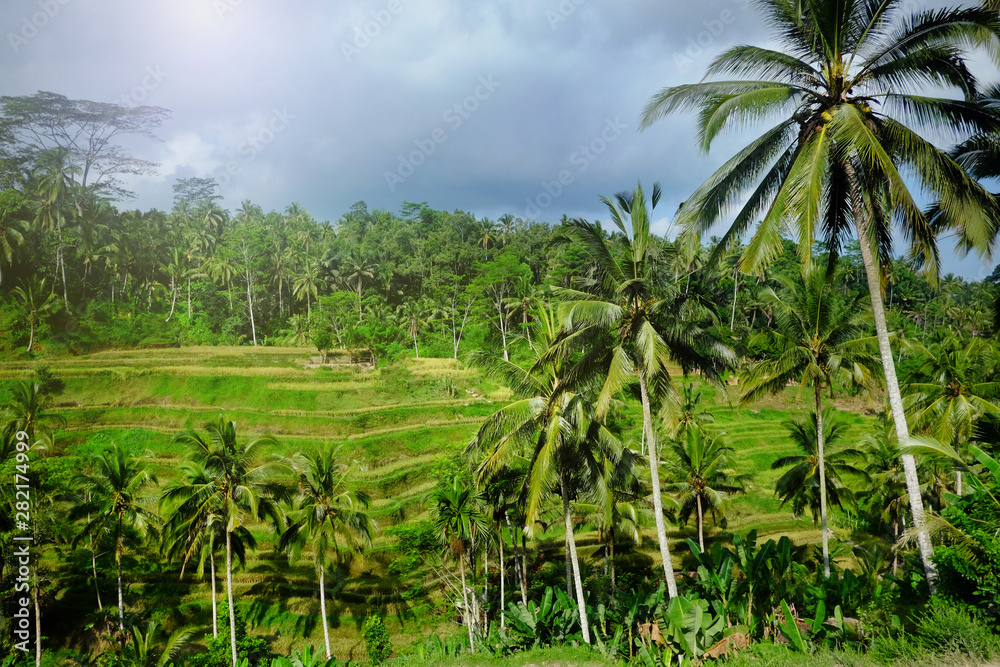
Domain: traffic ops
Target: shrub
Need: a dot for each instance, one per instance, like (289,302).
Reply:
(377,640)
(950,628)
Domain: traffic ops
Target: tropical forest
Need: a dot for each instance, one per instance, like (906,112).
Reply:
(233,436)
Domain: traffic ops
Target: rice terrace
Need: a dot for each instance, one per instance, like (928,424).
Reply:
(745,413)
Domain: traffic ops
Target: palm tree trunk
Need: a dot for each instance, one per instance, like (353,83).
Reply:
(701,523)
(173,301)
(896,401)
(215,597)
(121,598)
(38,620)
(322,609)
(520,568)
(611,545)
(465,603)
(571,549)
(189,299)
(416,350)
(253,326)
(229,594)
(654,476)
(821,456)
(93,567)
(503,600)
(736,289)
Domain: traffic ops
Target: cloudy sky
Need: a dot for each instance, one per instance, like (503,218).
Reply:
(528,107)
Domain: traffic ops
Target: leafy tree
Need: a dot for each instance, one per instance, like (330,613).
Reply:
(800,485)
(818,338)
(116,508)
(701,473)
(242,484)
(847,83)
(377,642)
(457,519)
(328,516)
(950,388)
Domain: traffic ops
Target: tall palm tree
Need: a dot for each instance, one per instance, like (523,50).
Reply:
(358,271)
(457,519)
(328,515)
(116,507)
(196,529)
(702,476)
(628,306)
(243,484)
(950,389)
(37,302)
(307,285)
(177,270)
(55,176)
(819,339)
(848,83)
(553,428)
(800,485)
(414,315)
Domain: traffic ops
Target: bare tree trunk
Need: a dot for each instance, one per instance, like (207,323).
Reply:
(654,476)
(229,595)
(38,620)
(189,299)
(821,461)
(253,326)
(121,598)
(215,597)
(93,567)
(465,602)
(173,301)
(701,524)
(895,399)
(503,599)
(736,289)
(520,568)
(571,549)
(322,609)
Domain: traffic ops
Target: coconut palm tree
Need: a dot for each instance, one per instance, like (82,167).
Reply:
(629,307)
(196,529)
(553,429)
(852,86)
(819,338)
(414,315)
(457,519)
(328,516)
(55,179)
(800,485)
(702,476)
(12,228)
(243,486)
(358,270)
(36,302)
(28,410)
(116,508)
(952,387)
(307,285)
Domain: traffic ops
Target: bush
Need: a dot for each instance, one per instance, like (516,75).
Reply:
(950,628)
(377,640)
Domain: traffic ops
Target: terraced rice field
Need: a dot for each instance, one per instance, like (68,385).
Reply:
(395,425)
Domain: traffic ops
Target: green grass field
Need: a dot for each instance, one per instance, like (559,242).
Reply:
(395,425)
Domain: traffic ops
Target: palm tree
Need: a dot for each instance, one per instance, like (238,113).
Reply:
(487,232)
(242,486)
(55,180)
(819,338)
(457,519)
(36,303)
(116,507)
(359,270)
(28,410)
(328,515)
(553,428)
(952,387)
(847,82)
(11,228)
(414,315)
(702,476)
(801,485)
(307,285)
(196,529)
(177,270)
(629,308)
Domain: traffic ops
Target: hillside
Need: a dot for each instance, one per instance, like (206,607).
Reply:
(395,425)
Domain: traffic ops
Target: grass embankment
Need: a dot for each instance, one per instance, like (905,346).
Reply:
(395,425)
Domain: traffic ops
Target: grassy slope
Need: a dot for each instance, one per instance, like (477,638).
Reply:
(394,424)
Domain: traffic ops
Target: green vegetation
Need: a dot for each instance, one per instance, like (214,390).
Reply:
(423,438)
